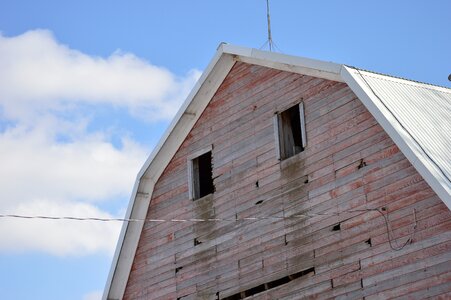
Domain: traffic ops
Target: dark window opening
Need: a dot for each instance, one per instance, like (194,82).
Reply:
(202,176)
(290,131)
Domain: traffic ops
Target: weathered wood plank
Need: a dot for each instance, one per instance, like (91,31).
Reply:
(310,208)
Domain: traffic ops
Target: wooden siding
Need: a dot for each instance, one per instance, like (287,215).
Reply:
(349,163)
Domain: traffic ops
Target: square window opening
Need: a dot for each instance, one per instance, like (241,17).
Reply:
(290,131)
(201,176)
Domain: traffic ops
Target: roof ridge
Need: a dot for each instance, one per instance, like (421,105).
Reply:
(401,78)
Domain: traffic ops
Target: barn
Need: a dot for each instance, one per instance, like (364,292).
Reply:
(283,177)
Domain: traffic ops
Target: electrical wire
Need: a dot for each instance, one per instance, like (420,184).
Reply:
(390,231)
(194,220)
(391,240)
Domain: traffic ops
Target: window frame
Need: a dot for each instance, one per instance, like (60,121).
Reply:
(191,177)
(277,122)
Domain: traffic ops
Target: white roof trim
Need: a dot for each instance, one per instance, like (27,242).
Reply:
(182,123)
(193,107)
(295,64)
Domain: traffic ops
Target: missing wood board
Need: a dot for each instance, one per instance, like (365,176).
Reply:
(269,285)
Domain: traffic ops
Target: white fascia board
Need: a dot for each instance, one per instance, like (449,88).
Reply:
(125,252)
(117,252)
(403,140)
(294,64)
(187,117)
(169,143)
(183,111)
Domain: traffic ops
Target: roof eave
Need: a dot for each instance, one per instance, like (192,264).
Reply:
(402,139)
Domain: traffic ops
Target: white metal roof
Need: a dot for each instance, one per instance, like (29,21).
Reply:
(416,116)
(423,110)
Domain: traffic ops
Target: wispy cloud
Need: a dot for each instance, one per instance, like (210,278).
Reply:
(96,295)
(34,164)
(51,162)
(41,176)
(59,237)
(37,74)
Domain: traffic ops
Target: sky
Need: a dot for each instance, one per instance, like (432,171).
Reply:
(87,88)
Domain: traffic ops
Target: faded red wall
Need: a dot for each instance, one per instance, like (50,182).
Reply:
(350,163)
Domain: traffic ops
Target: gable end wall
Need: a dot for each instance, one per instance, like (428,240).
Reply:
(349,164)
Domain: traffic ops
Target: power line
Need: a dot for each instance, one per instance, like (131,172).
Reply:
(393,243)
(194,220)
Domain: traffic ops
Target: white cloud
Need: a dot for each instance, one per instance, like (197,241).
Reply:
(50,162)
(90,168)
(40,176)
(36,73)
(96,295)
(59,237)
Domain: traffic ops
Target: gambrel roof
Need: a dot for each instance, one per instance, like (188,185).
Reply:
(417,116)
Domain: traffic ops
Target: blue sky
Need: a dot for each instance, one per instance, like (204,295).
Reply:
(88,87)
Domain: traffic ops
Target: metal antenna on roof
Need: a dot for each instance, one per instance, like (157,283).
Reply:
(269,42)
(268,15)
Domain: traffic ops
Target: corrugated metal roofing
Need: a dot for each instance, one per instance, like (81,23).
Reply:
(423,110)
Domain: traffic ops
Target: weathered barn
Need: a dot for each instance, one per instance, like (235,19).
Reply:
(298,178)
